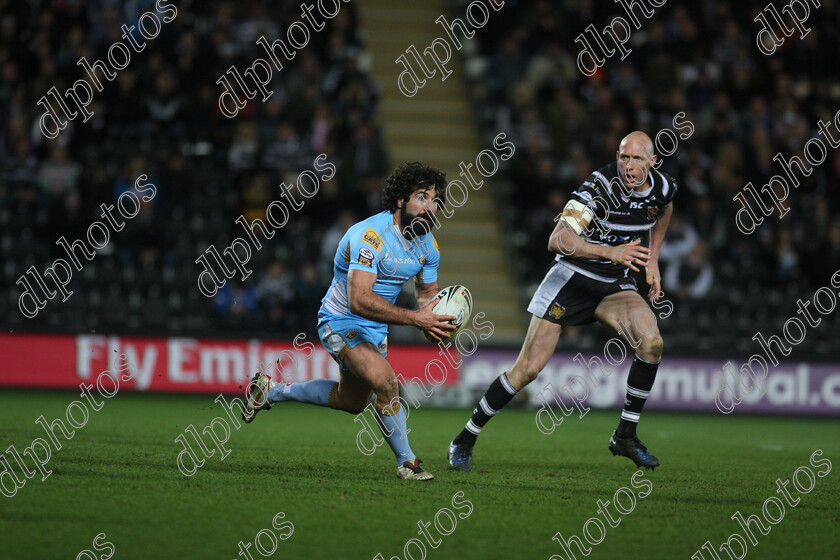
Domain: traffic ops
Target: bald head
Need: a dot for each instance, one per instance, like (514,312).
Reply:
(635,158)
(637,139)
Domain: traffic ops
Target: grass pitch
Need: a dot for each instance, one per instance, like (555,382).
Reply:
(118,476)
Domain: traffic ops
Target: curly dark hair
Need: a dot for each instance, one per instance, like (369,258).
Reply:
(409,177)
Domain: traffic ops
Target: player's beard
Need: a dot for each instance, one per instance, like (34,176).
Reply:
(411,226)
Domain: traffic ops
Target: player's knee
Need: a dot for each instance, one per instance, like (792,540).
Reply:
(651,347)
(530,374)
(385,385)
(522,374)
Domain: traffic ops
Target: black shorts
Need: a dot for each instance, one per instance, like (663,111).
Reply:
(568,297)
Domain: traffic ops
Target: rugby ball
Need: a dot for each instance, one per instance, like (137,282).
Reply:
(454,300)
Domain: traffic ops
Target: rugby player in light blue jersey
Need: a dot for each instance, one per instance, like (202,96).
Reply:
(372,262)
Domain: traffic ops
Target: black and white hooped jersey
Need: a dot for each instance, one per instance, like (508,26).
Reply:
(620,216)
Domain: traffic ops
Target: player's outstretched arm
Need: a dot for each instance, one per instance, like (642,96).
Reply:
(565,241)
(365,303)
(657,234)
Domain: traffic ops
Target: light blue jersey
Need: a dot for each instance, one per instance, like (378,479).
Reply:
(373,245)
(377,245)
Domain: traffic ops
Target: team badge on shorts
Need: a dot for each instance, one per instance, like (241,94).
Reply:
(365,256)
(627,286)
(556,310)
(352,334)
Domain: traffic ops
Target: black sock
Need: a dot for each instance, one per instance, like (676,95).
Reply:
(497,396)
(639,382)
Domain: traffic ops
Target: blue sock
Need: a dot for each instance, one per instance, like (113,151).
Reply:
(316,391)
(398,440)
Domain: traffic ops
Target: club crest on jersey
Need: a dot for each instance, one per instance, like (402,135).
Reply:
(556,310)
(372,238)
(365,256)
(652,212)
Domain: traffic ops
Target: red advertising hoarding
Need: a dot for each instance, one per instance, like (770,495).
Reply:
(190,365)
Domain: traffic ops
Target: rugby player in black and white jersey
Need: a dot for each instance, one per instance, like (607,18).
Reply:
(598,241)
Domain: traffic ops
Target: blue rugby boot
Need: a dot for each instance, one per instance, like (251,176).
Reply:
(460,457)
(634,450)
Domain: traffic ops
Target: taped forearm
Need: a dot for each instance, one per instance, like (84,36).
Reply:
(577,215)
(564,241)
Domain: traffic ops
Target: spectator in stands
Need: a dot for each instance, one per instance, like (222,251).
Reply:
(331,237)
(243,150)
(275,294)
(690,277)
(285,152)
(256,196)
(681,240)
(364,156)
(235,305)
(309,290)
(59,174)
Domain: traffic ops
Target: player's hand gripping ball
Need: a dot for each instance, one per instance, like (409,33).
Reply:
(454,300)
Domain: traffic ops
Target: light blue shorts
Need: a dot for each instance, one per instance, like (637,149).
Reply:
(339,335)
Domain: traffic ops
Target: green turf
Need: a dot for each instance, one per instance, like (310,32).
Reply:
(118,476)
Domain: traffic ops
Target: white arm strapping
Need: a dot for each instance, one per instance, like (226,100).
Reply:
(577,215)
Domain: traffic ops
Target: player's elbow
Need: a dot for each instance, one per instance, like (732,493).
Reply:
(556,243)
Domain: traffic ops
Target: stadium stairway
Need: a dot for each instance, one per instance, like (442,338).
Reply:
(436,127)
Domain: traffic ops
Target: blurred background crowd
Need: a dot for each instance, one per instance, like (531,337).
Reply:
(160,117)
(700,59)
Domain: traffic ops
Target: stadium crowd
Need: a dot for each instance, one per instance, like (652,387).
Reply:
(160,117)
(699,59)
